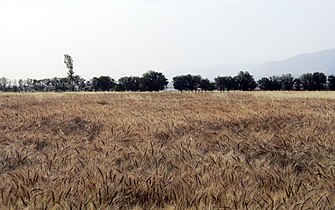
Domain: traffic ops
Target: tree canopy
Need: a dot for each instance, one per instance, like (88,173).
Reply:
(153,81)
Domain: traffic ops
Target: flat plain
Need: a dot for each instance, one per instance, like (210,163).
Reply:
(236,150)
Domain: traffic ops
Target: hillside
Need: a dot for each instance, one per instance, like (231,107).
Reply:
(323,61)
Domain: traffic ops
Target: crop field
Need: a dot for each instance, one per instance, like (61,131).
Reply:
(237,150)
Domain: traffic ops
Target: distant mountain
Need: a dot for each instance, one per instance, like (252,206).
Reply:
(322,61)
(212,71)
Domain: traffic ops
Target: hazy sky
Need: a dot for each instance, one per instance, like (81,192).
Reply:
(129,37)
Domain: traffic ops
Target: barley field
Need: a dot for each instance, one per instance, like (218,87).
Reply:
(237,150)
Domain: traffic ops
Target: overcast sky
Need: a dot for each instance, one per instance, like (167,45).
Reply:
(129,37)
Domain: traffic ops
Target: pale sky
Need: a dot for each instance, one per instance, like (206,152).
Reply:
(129,37)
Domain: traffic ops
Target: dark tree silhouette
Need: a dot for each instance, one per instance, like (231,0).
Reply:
(245,81)
(180,83)
(264,83)
(129,83)
(287,81)
(206,85)
(220,83)
(315,81)
(70,74)
(153,81)
(103,83)
(331,82)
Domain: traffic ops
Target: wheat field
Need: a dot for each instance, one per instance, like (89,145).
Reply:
(257,150)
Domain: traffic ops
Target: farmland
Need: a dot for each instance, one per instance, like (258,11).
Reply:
(237,150)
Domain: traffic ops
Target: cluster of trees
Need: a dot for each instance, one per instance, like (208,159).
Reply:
(308,81)
(156,81)
(243,81)
(150,81)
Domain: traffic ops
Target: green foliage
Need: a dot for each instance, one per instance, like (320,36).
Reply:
(187,82)
(331,82)
(220,83)
(297,84)
(245,81)
(275,83)
(206,85)
(287,81)
(129,83)
(264,83)
(69,64)
(179,83)
(153,81)
(103,83)
(225,83)
(315,81)
(319,81)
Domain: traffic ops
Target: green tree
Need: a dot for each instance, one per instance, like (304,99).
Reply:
(187,82)
(79,83)
(230,83)
(206,85)
(4,83)
(129,83)
(264,83)
(297,84)
(180,83)
(315,81)
(287,81)
(319,81)
(275,83)
(220,83)
(245,81)
(153,81)
(69,65)
(194,82)
(307,81)
(103,83)
(70,74)
(331,82)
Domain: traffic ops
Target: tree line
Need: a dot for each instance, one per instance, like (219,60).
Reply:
(245,82)
(150,81)
(156,81)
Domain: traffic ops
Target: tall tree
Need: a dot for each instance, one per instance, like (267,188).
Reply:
(70,74)
(69,65)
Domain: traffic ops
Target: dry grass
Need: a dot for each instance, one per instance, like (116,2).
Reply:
(167,151)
